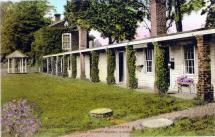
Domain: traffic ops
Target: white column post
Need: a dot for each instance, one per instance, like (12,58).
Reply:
(47,65)
(8,65)
(61,65)
(52,65)
(56,65)
(25,65)
(22,66)
(13,65)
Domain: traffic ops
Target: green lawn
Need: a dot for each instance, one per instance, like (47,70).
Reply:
(63,103)
(185,127)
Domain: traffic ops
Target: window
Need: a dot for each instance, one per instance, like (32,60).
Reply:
(189,59)
(66,41)
(148,60)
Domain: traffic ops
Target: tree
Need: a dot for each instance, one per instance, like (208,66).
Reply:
(6,14)
(115,20)
(20,23)
(210,11)
(178,8)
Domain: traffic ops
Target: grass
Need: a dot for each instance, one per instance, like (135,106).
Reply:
(64,103)
(184,127)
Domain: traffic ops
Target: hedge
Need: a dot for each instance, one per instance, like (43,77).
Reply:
(94,66)
(161,69)
(111,66)
(131,61)
(65,65)
(74,66)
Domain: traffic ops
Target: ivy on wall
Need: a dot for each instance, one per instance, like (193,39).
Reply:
(47,41)
(65,65)
(111,66)
(161,69)
(94,66)
(131,60)
(74,66)
(58,61)
(44,64)
(49,65)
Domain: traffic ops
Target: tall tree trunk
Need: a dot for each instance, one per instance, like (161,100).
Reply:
(110,41)
(179,15)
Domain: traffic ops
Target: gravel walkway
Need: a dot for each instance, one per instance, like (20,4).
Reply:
(124,130)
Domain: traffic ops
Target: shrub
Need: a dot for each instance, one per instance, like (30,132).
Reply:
(161,70)
(94,66)
(131,60)
(52,65)
(74,66)
(111,66)
(18,119)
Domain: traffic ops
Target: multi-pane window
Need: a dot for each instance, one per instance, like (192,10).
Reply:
(66,41)
(148,60)
(189,59)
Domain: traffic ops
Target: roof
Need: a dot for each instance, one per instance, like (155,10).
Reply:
(17,54)
(61,22)
(137,43)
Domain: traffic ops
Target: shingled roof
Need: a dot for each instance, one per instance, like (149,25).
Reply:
(17,54)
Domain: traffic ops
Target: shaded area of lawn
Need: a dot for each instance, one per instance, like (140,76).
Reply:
(184,127)
(63,103)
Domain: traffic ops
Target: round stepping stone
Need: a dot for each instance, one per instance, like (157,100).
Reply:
(157,123)
(101,112)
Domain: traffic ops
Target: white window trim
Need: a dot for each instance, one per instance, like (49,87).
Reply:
(70,43)
(194,58)
(151,60)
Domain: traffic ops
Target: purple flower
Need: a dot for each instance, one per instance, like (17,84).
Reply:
(184,79)
(18,118)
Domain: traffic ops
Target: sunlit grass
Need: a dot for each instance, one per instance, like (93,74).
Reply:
(64,103)
(185,127)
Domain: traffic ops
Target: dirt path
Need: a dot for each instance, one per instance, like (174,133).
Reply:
(124,130)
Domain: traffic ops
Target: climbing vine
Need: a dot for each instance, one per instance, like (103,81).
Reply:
(111,66)
(161,69)
(65,65)
(94,66)
(74,66)
(44,65)
(131,60)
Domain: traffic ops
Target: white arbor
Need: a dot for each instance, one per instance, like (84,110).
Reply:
(17,62)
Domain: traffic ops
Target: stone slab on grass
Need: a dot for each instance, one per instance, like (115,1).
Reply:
(101,112)
(157,123)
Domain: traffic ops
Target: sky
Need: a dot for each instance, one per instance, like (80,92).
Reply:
(190,22)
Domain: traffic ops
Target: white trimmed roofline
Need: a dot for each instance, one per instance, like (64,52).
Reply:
(142,41)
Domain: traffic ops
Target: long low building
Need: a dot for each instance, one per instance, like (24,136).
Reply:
(183,54)
(190,54)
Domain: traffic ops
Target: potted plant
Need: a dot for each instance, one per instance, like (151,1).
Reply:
(184,81)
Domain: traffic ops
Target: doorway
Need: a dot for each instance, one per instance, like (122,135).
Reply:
(121,66)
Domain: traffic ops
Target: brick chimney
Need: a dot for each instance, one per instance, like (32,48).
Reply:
(57,17)
(82,38)
(83,34)
(158,17)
